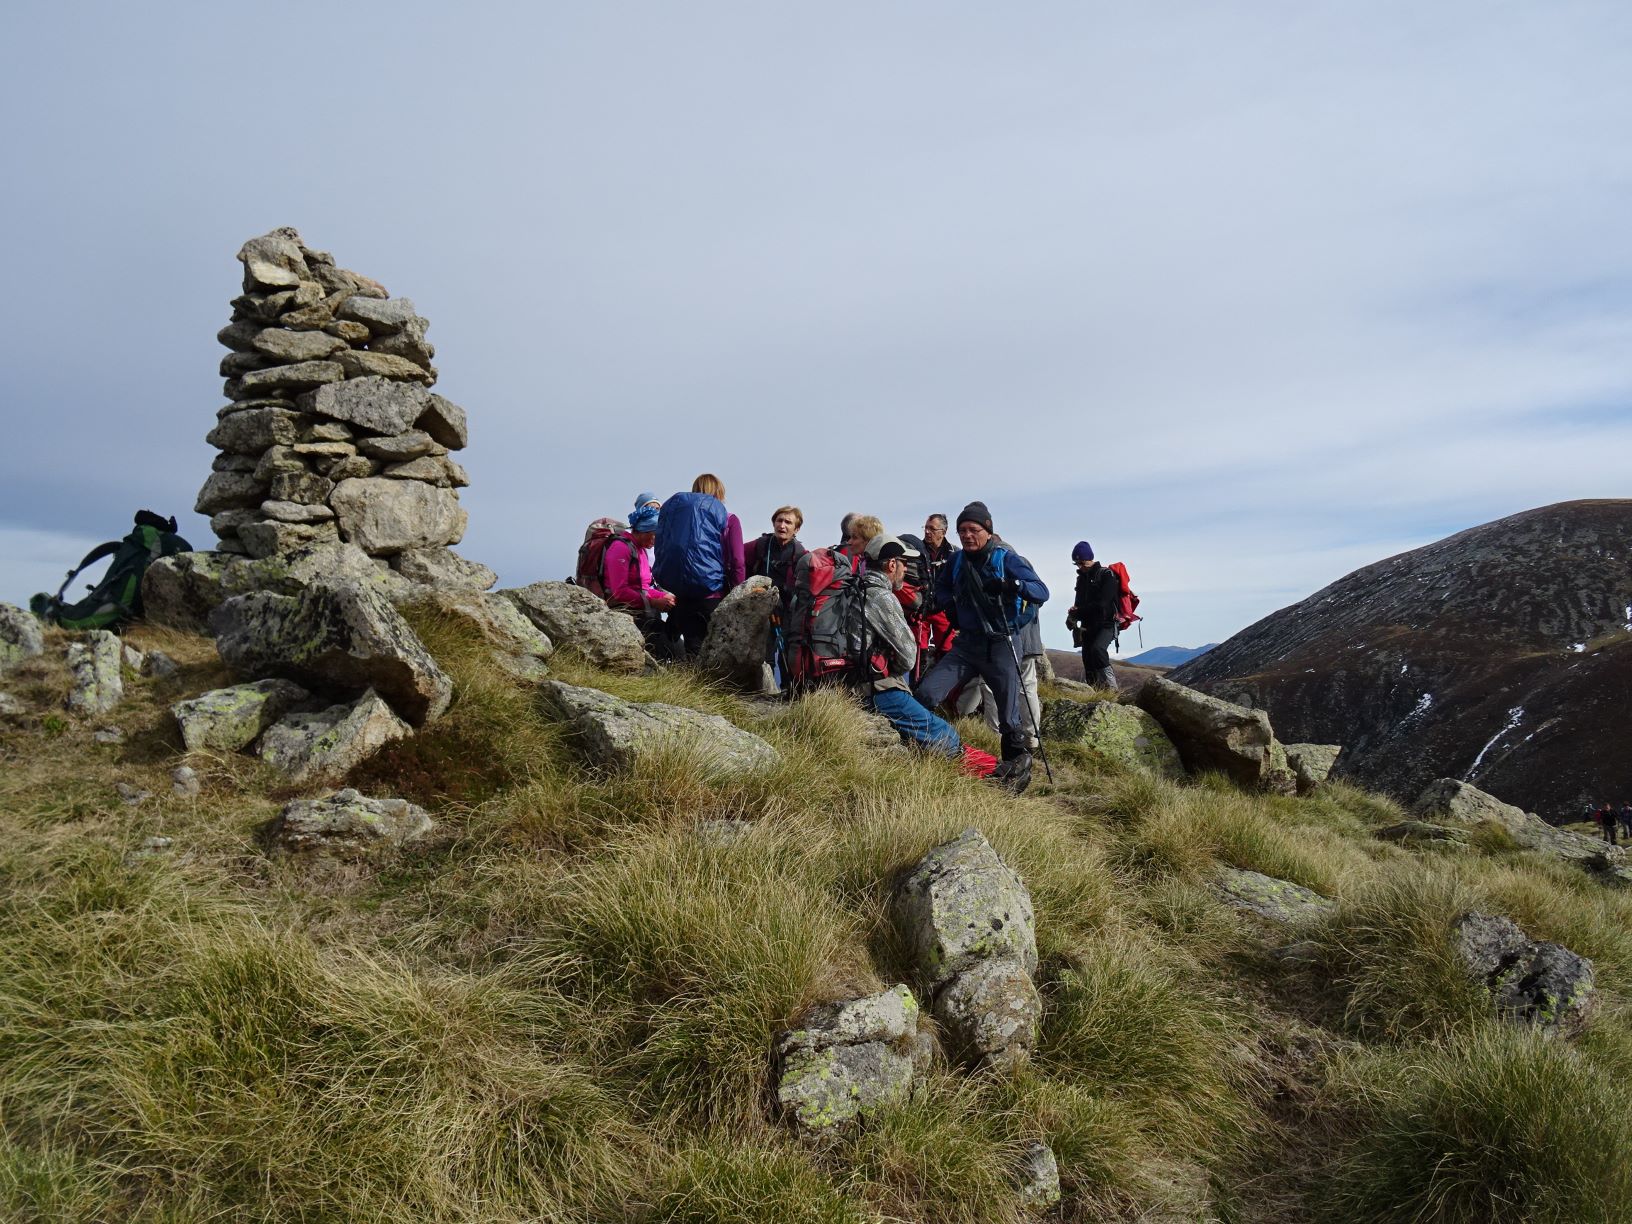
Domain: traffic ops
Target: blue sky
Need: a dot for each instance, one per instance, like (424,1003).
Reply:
(1247,298)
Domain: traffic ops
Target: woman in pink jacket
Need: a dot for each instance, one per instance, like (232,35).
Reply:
(627,569)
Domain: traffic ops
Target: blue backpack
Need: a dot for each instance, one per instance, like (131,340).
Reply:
(689,558)
(1020,613)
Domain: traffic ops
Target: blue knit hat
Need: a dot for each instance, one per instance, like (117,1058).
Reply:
(1084,551)
(643,519)
(643,498)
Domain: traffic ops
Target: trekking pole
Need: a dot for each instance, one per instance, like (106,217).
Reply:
(1036,731)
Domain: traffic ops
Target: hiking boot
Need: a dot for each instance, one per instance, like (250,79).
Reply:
(1015,775)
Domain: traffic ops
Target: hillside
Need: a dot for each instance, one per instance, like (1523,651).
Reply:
(1501,655)
(560,1003)
(1169,656)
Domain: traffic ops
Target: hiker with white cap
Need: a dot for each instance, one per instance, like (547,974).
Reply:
(991,593)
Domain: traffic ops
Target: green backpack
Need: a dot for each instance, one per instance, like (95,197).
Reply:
(118,597)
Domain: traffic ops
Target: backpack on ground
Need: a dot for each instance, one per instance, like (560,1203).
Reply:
(117,598)
(591,571)
(828,639)
(689,556)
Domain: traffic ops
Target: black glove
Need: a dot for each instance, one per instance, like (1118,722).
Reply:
(994,587)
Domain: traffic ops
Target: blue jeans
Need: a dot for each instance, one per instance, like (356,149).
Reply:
(916,723)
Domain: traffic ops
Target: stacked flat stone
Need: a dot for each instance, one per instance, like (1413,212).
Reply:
(332,433)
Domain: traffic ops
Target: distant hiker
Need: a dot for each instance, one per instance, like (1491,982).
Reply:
(863,528)
(938,553)
(698,557)
(627,571)
(991,593)
(1605,816)
(775,554)
(1093,617)
(1625,817)
(892,651)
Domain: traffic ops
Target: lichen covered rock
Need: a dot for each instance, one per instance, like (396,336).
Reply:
(99,683)
(615,733)
(225,720)
(347,824)
(21,636)
(1312,764)
(579,621)
(847,1059)
(1119,736)
(1268,897)
(739,631)
(1211,734)
(962,904)
(1531,983)
(326,744)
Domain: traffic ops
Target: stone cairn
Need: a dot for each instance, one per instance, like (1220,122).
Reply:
(332,433)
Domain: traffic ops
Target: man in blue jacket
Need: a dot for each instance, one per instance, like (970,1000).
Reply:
(991,593)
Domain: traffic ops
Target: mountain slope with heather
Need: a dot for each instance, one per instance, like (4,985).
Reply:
(1501,655)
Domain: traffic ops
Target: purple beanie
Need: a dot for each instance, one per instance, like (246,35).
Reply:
(1084,551)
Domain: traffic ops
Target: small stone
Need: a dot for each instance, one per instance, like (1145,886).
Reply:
(363,364)
(273,261)
(296,377)
(400,448)
(443,420)
(108,736)
(444,568)
(225,720)
(307,488)
(277,460)
(270,538)
(10,707)
(21,636)
(229,491)
(1039,1180)
(1268,897)
(159,665)
(297,346)
(184,783)
(133,658)
(331,742)
(295,512)
(376,404)
(378,316)
(349,331)
(327,431)
(616,734)
(131,794)
(1312,764)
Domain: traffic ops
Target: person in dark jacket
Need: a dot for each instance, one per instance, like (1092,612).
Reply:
(990,592)
(1625,817)
(775,554)
(938,553)
(1092,618)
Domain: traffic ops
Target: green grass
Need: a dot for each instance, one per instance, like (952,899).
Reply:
(561,1005)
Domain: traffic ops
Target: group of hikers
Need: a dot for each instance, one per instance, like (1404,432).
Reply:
(1608,818)
(918,626)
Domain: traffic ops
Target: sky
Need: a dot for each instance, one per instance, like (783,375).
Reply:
(1247,296)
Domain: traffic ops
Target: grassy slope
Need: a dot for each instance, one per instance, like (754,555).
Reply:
(561,1008)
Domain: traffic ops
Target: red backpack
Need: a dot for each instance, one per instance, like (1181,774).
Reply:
(1126,600)
(592,554)
(828,638)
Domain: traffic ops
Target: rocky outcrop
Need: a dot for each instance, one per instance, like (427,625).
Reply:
(578,620)
(347,824)
(1500,655)
(326,744)
(21,637)
(616,734)
(1278,900)
(1211,734)
(738,638)
(968,920)
(333,637)
(181,591)
(519,646)
(99,684)
(1113,735)
(443,569)
(332,433)
(1530,983)
(1448,801)
(1312,764)
(847,1059)
(226,720)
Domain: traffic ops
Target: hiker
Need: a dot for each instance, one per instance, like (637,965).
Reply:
(1625,815)
(863,529)
(977,697)
(1605,817)
(774,555)
(893,652)
(990,592)
(627,571)
(1093,618)
(937,629)
(698,558)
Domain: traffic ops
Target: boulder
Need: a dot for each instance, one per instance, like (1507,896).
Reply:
(1120,736)
(1215,735)
(443,568)
(182,590)
(961,904)
(518,645)
(21,636)
(1451,801)
(228,719)
(376,404)
(617,733)
(384,516)
(990,1013)
(1541,984)
(847,1059)
(308,747)
(1311,764)
(347,824)
(273,261)
(1038,1180)
(342,636)
(99,684)
(1268,897)
(739,632)
(578,620)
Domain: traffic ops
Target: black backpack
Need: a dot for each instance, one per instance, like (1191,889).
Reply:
(919,576)
(116,599)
